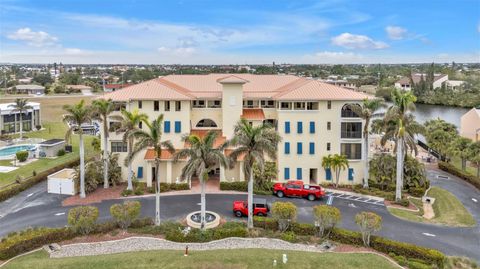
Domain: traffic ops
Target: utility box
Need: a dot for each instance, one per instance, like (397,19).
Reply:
(62,182)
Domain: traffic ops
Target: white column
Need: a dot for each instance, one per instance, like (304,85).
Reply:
(169,172)
(222,173)
(242,175)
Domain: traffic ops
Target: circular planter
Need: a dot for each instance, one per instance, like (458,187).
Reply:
(212,219)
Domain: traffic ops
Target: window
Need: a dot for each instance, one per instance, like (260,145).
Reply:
(167,105)
(328,174)
(299,148)
(329,146)
(214,104)
(329,104)
(299,106)
(198,104)
(312,105)
(350,174)
(178,106)
(248,104)
(156,105)
(299,173)
(285,106)
(299,127)
(267,103)
(206,123)
(166,127)
(119,146)
(329,126)
(347,112)
(140,104)
(286,173)
(312,148)
(140,124)
(312,127)
(178,127)
(287,147)
(140,172)
(351,130)
(353,151)
(287,127)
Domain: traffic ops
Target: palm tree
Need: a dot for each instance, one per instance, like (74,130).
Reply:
(253,143)
(203,157)
(101,110)
(460,148)
(152,138)
(365,112)
(337,163)
(21,106)
(77,115)
(474,156)
(129,122)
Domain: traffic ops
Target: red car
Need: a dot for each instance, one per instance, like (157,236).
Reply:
(296,188)
(260,207)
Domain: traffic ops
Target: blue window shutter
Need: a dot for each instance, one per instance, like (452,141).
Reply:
(328,173)
(299,148)
(178,127)
(299,127)
(287,127)
(287,147)
(140,172)
(287,173)
(312,127)
(312,148)
(350,174)
(166,127)
(299,173)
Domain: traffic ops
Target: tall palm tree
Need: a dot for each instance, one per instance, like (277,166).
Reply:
(203,157)
(253,143)
(152,138)
(129,122)
(337,163)
(78,114)
(21,106)
(365,112)
(102,108)
(400,125)
(460,147)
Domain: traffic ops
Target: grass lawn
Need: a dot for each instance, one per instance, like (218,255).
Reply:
(242,258)
(51,130)
(448,210)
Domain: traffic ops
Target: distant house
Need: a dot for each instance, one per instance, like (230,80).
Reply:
(25,80)
(114,87)
(10,119)
(470,124)
(341,83)
(78,88)
(26,89)
(455,84)
(406,84)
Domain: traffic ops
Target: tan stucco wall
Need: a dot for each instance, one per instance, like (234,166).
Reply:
(469,124)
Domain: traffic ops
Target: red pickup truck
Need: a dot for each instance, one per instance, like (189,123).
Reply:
(260,207)
(296,188)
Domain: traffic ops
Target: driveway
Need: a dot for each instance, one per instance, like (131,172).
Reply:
(41,209)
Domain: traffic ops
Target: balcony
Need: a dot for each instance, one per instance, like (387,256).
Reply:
(351,134)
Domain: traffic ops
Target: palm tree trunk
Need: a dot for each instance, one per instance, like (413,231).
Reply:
(464,164)
(82,167)
(21,125)
(399,175)
(203,178)
(365,158)
(157,193)
(250,201)
(105,155)
(129,176)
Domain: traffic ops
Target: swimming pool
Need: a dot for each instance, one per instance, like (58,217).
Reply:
(11,150)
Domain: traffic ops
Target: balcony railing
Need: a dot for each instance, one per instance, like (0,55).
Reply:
(351,134)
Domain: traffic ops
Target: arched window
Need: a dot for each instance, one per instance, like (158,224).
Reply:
(206,123)
(347,112)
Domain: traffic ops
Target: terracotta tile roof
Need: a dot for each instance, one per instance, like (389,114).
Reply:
(117,86)
(202,133)
(166,155)
(191,87)
(253,114)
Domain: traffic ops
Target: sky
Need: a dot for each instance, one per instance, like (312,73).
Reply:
(239,32)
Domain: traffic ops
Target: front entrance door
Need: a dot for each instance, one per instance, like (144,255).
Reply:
(313,176)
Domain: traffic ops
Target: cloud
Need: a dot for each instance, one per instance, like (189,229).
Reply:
(351,41)
(76,52)
(37,39)
(396,32)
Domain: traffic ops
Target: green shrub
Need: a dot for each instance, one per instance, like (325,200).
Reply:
(242,186)
(82,219)
(368,222)
(326,217)
(418,265)
(402,202)
(302,228)
(22,155)
(417,191)
(289,237)
(450,168)
(265,223)
(30,239)
(138,191)
(125,213)
(126,193)
(284,213)
(61,152)
(401,260)
(199,236)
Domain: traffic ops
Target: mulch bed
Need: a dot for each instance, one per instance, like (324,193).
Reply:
(97,196)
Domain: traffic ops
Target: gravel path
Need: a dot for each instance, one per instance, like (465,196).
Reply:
(148,243)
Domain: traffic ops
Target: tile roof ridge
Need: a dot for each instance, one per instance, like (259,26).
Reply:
(291,87)
(232,76)
(174,86)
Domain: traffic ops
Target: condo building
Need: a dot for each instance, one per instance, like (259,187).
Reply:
(313,119)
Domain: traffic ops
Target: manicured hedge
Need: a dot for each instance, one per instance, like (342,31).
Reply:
(29,182)
(199,236)
(378,243)
(243,187)
(450,168)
